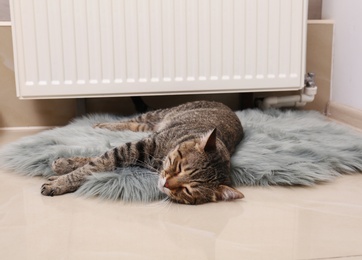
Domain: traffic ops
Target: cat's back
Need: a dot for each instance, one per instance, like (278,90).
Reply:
(199,117)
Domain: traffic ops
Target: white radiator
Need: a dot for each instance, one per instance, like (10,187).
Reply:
(89,48)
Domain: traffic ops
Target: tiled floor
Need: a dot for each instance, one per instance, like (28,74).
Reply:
(321,222)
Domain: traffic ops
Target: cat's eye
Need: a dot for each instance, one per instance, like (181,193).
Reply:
(187,191)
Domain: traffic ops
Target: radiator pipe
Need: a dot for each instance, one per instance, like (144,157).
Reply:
(307,96)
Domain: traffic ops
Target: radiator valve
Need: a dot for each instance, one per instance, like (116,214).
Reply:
(309,80)
(310,87)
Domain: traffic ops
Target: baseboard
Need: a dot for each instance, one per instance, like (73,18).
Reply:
(345,114)
(2,23)
(26,128)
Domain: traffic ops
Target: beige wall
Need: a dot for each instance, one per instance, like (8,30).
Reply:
(319,61)
(315,9)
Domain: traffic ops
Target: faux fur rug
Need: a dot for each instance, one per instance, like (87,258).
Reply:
(279,148)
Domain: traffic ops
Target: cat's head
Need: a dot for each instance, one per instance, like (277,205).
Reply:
(197,172)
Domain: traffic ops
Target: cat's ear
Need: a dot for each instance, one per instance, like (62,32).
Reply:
(208,142)
(228,193)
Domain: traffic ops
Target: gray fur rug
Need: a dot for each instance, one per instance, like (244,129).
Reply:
(279,148)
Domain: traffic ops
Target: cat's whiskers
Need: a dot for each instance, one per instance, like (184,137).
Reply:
(150,155)
(165,203)
(145,165)
(168,204)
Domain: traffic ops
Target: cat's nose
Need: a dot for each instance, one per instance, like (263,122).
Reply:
(166,185)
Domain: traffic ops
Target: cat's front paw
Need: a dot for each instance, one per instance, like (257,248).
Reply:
(53,187)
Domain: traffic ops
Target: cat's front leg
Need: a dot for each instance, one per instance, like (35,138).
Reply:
(136,153)
(66,165)
(57,185)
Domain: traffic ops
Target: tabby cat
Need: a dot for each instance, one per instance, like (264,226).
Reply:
(190,148)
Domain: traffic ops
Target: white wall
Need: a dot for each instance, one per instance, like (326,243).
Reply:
(347,67)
